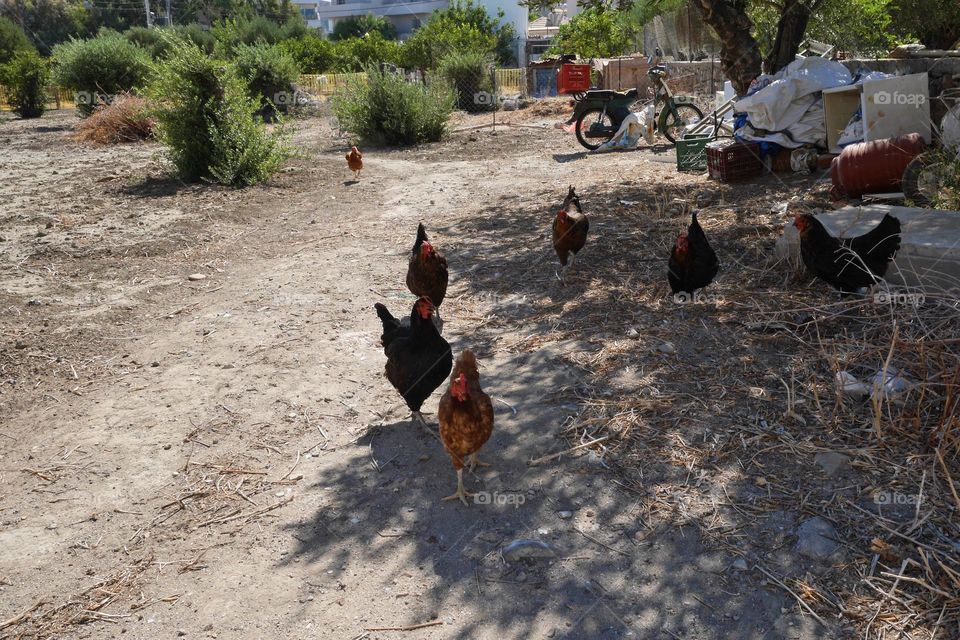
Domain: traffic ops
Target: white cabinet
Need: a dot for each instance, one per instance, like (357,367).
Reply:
(891,107)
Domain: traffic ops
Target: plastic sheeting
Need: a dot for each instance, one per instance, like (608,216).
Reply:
(785,100)
(789,110)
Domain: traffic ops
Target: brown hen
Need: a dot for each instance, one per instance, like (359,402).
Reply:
(427,273)
(355,162)
(466,419)
(569,232)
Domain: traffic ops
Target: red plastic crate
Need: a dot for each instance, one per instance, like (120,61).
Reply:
(573,78)
(729,160)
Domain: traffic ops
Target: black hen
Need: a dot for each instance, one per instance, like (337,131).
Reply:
(418,358)
(693,263)
(848,263)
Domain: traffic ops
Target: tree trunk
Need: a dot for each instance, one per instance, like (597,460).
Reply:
(739,55)
(790,30)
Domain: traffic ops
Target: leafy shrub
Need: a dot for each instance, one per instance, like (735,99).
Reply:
(12,40)
(150,40)
(359,26)
(26,77)
(99,68)
(469,74)
(196,34)
(209,123)
(231,33)
(356,54)
(462,27)
(312,53)
(125,119)
(269,72)
(384,108)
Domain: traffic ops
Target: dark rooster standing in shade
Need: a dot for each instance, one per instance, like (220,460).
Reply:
(693,263)
(848,264)
(466,419)
(427,271)
(418,358)
(569,232)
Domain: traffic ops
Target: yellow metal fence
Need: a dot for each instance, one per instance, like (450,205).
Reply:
(57,98)
(509,81)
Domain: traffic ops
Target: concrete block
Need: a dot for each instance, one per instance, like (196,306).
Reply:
(929,256)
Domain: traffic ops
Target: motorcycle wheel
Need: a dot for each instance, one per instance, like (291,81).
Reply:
(677,119)
(586,120)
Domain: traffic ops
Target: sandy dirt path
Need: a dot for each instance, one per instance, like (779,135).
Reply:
(238,467)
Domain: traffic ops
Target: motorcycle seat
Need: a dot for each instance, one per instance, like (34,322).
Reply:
(609,94)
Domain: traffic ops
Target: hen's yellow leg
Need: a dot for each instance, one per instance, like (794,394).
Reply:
(461,493)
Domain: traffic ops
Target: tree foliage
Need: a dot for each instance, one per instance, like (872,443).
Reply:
(359,26)
(462,27)
(12,40)
(935,23)
(593,33)
(312,53)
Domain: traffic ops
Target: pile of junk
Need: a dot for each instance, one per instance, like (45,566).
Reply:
(872,131)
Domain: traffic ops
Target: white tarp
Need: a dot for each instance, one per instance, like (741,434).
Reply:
(789,110)
(810,129)
(784,101)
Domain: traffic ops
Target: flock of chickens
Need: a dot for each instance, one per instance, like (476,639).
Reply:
(419,360)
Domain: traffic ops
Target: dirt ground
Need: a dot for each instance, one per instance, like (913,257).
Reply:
(198,441)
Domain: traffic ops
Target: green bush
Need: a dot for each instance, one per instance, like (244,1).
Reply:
(26,76)
(196,34)
(12,40)
(159,40)
(231,33)
(469,74)
(99,68)
(209,123)
(269,72)
(359,26)
(356,54)
(151,40)
(312,53)
(462,27)
(384,108)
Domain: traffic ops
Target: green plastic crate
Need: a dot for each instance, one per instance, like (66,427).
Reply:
(691,152)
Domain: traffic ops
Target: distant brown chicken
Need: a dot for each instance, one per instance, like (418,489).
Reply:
(569,232)
(466,419)
(355,162)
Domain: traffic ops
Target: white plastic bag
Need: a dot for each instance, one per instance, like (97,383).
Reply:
(633,127)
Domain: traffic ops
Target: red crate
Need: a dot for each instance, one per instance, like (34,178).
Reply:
(729,160)
(573,78)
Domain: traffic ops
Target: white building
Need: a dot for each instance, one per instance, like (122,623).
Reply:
(406,15)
